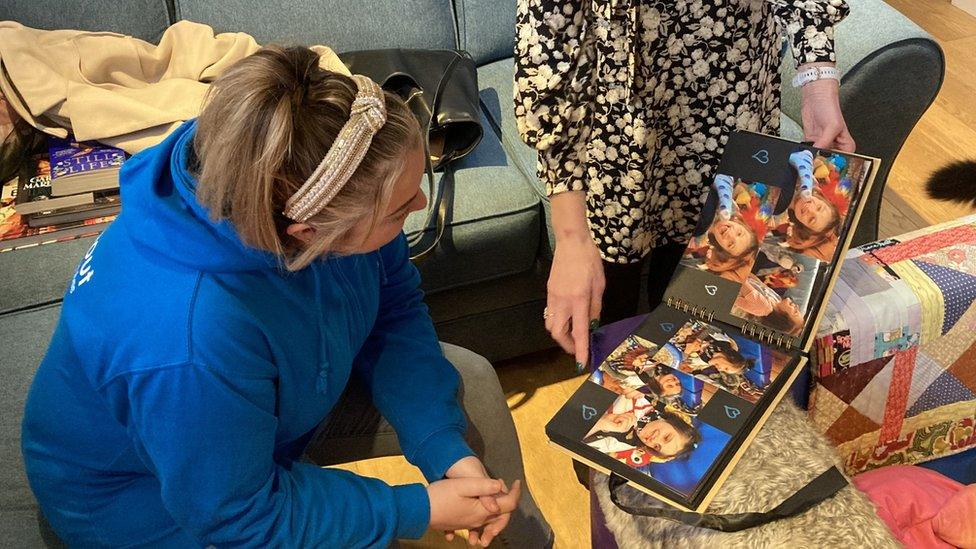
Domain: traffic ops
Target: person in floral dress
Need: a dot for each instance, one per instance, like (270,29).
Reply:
(629,104)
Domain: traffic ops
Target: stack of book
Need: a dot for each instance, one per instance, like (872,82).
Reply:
(69,192)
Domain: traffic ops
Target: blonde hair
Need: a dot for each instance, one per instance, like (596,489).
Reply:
(268,122)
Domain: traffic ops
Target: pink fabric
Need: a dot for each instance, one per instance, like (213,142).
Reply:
(924,509)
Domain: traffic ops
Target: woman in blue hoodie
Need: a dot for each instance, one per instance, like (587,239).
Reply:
(258,267)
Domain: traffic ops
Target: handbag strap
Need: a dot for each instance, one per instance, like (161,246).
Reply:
(825,486)
(437,201)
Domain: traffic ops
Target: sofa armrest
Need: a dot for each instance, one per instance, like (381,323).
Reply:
(892,71)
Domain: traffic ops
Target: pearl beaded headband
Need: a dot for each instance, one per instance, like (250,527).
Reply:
(366,117)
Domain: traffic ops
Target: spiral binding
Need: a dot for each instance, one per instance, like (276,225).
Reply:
(755,331)
(697,312)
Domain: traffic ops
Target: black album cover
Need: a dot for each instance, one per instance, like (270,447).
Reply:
(674,405)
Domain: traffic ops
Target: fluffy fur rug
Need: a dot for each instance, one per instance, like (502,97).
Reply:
(786,454)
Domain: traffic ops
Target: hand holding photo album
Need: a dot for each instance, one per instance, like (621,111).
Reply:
(678,401)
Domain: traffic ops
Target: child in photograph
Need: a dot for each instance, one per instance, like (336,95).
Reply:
(819,206)
(707,353)
(631,372)
(730,243)
(768,307)
(630,358)
(660,434)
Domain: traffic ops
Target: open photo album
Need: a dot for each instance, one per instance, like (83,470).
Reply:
(675,404)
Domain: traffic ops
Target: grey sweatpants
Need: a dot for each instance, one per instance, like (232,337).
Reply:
(355,430)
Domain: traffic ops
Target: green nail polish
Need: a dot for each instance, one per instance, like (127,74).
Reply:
(579,368)
(594,324)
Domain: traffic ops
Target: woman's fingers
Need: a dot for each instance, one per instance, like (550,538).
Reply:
(477,487)
(581,331)
(490,504)
(845,142)
(493,528)
(508,502)
(560,330)
(825,140)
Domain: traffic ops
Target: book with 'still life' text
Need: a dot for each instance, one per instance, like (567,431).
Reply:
(83,167)
(674,406)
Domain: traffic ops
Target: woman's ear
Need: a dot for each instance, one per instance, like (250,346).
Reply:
(301,231)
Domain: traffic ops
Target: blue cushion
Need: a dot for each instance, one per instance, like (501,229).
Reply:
(341,25)
(145,19)
(494,221)
(486,28)
(496,81)
(25,336)
(38,275)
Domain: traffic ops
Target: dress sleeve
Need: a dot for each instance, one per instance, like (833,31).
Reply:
(809,25)
(552,72)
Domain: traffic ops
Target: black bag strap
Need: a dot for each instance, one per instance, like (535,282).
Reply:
(437,201)
(825,486)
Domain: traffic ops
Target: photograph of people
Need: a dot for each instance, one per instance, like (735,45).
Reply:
(812,222)
(645,426)
(675,448)
(631,371)
(777,292)
(728,246)
(708,353)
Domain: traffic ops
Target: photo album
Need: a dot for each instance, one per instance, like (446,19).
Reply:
(676,403)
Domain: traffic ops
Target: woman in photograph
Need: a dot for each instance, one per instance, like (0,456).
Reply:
(629,105)
(662,435)
(254,295)
(718,355)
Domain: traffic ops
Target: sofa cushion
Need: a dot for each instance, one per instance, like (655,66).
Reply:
(339,24)
(145,19)
(496,81)
(25,337)
(486,29)
(38,275)
(494,220)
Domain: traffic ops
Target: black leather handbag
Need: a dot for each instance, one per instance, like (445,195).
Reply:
(441,89)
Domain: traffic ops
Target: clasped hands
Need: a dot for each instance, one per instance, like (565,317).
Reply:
(469,499)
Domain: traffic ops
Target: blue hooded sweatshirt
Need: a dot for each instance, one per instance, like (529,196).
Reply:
(188,371)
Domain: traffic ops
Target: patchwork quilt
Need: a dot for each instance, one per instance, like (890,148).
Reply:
(895,356)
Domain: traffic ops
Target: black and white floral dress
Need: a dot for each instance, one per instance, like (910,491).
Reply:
(633,100)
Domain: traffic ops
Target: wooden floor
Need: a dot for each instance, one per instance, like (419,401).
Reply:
(538,385)
(947,131)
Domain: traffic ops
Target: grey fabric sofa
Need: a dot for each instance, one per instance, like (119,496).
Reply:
(486,281)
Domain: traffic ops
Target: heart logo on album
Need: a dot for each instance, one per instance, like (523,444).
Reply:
(761,156)
(667,327)
(711,289)
(588,412)
(732,412)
